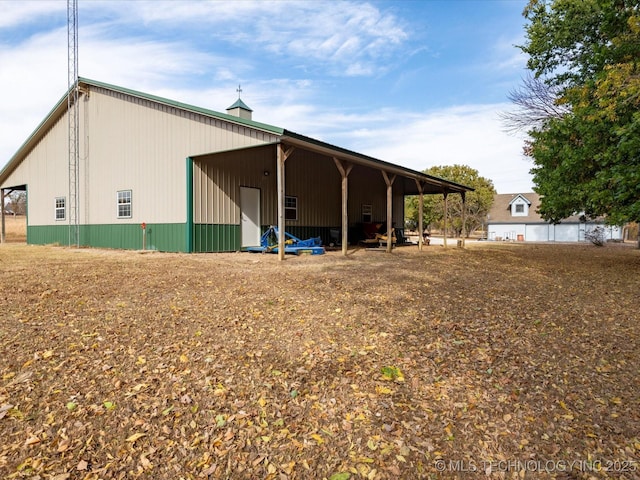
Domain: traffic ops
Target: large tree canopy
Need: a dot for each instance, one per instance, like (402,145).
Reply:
(477,203)
(588,158)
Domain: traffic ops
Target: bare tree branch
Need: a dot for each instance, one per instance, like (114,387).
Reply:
(535,102)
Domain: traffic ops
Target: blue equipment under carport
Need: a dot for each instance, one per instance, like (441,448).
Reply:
(269,244)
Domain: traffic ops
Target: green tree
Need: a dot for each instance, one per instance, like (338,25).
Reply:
(588,158)
(477,203)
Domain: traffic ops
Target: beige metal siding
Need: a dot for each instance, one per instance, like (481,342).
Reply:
(311,178)
(139,145)
(45,172)
(217,180)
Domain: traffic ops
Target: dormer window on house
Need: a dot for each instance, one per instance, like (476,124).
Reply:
(519,206)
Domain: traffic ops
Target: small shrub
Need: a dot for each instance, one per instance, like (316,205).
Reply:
(596,236)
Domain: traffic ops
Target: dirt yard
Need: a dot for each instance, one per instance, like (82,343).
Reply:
(512,361)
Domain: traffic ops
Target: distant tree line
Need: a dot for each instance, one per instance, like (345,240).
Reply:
(477,203)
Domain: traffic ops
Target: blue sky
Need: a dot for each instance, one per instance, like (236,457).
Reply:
(418,83)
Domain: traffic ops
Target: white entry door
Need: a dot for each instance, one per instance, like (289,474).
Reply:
(250,216)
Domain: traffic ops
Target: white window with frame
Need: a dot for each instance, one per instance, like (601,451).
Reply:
(124,204)
(61,208)
(367,213)
(290,208)
(519,209)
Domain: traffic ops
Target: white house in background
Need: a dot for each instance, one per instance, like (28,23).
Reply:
(514,217)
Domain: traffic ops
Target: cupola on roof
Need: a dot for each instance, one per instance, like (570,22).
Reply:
(239,108)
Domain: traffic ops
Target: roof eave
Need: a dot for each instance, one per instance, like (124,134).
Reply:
(293,138)
(519,195)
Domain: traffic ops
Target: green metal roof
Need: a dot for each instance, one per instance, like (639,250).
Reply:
(240,104)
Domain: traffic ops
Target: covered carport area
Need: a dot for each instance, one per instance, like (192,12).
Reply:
(301,185)
(407,181)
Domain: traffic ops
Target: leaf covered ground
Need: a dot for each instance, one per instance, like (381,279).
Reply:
(510,361)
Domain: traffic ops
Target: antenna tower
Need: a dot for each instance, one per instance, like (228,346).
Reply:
(73,120)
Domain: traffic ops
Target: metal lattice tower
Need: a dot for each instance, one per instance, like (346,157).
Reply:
(73,120)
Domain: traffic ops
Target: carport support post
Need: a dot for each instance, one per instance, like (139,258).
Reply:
(280,186)
(446,216)
(281,157)
(3,231)
(464,208)
(420,214)
(344,173)
(389,182)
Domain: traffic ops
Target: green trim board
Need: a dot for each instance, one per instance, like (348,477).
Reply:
(189,225)
(166,237)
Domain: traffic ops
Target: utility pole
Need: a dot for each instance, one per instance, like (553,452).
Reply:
(73,121)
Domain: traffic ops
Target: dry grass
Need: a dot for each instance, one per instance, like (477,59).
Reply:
(501,358)
(15,228)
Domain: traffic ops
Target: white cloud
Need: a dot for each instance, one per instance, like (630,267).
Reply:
(25,12)
(470,135)
(139,62)
(33,78)
(339,34)
(331,35)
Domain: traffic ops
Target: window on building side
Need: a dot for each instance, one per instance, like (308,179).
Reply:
(519,208)
(61,208)
(124,204)
(291,208)
(367,215)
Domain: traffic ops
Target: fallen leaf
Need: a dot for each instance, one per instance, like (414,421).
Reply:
(135,437)
(144,461)
(4,409)
(340,476)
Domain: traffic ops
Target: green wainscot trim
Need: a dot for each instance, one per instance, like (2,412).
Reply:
(48,234)
(166,237)
(216,238)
